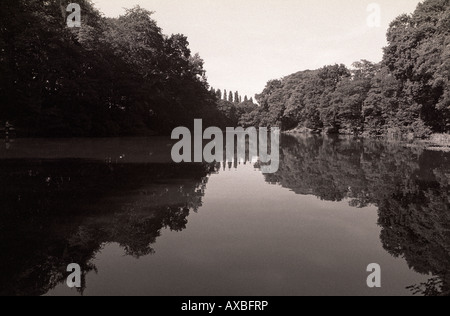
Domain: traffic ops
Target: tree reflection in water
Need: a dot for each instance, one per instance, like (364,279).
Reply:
(410,186)
(54,213)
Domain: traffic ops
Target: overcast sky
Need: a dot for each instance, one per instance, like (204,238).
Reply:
(245,43)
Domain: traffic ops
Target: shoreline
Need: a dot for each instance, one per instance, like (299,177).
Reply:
(429,144)
(435,142)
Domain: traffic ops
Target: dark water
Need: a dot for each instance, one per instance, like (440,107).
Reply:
(140,225)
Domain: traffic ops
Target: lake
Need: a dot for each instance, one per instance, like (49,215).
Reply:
(138,224)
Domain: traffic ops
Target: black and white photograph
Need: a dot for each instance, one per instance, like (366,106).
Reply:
(224,155)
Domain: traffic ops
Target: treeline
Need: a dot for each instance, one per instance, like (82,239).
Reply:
(233,107)
(123,76)
(110,77)
(407,94)
(231,97)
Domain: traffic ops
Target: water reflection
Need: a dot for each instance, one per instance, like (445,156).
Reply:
(58,211)
(410,187)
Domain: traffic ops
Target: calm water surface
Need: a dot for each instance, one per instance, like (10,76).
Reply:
(140,225)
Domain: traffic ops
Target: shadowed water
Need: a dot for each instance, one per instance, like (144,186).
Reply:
(140,225)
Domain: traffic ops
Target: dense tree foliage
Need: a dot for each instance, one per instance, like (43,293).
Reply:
(109,77)
(123,76)
(234,111)
(408,93)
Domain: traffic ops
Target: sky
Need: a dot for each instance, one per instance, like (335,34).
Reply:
(246,43)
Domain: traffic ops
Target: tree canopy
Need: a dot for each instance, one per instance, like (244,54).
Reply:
(109,77)
(123,76)
(407,93)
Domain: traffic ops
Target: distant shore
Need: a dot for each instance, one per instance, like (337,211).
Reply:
(435,142)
